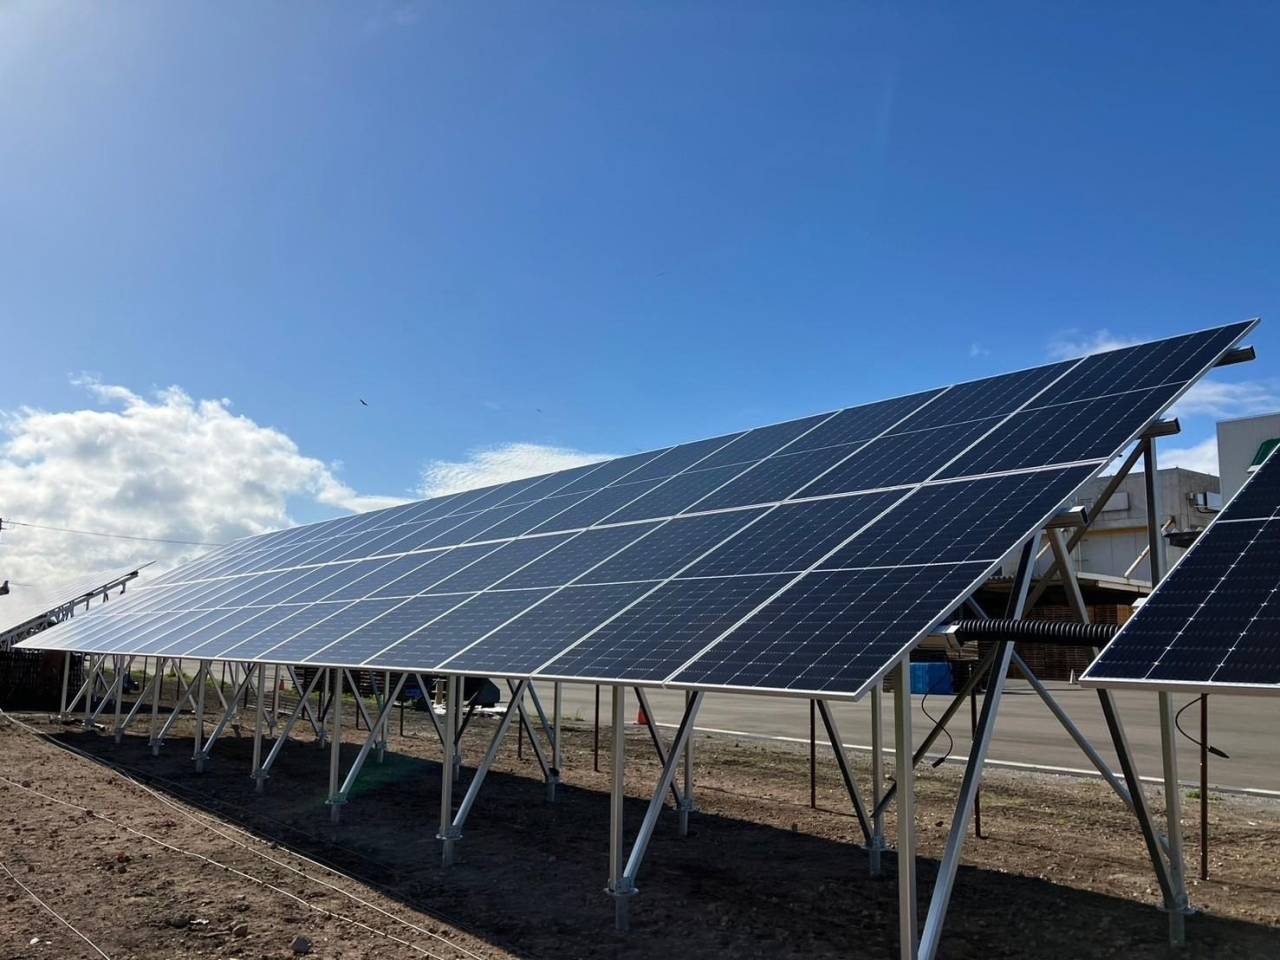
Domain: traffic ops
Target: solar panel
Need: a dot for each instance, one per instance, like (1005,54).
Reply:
(1213,624)
(798,556)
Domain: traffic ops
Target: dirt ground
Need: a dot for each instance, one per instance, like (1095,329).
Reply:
(186,865)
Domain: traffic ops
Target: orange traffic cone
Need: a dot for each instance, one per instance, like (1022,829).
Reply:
(641,719)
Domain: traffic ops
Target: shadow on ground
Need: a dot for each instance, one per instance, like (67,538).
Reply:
(530,875)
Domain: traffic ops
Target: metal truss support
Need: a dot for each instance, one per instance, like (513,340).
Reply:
(518,698)
(303,692)
(904,779)
(201,682)
(622,884)
(876,847)
(335,801)
(186,696)
(685,802)
(619,887)
(151,689)
(258,716)
(652,726)
(1178,904)
(66,681)
(453,833)
(943,885)
(431,713)
(842,761)
(981,670)
(312,716)
(557,755)
(374,737)
(229,714)
(449,834)
(363,712)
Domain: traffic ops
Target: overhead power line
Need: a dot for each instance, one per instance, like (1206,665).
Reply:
(114,536)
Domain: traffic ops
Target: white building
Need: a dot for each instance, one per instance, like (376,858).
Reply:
(1238,445)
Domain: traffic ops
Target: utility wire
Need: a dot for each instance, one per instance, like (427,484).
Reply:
(116,536)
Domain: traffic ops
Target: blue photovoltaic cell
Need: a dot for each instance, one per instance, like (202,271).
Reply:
(980,399)
(776,478)
(794,536)
(676,495)
(669,548)
(1214,621)
(248,642)
(904,458)
(760,442)
(653,638)
(833,631)
(966,520)
(575,557)
(542,631)
(1084,430)
(721,516)
(861,423)
(609,472)
(325,632)
(383,573)
(390,628)
(1176,360)
(533,515)
(502,562)
(217,632)
(596,507)
(678,459)
(463,625)
(444,565)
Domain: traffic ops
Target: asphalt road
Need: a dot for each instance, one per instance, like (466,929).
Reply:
(1247,728)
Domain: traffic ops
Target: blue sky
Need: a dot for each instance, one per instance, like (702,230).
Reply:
(608,227)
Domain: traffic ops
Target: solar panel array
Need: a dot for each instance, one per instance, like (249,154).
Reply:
(802,557)
(1214,622)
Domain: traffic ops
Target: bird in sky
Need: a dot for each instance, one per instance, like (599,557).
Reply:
(363,401)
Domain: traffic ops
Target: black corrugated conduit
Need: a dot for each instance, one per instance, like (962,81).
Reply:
(1051,631)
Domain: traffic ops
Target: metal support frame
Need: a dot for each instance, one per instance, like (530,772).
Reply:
(622,879)
(201,682)
(455,822)
(557,755)
(904,779)
(431,713)
(943,885)
(335,801)
(876,848)
(526,726)
(298,709)
(842,761)
(231,711)
(448,833)
(620,888)
(259,712)
(313,717)
(66,681)
(1178,905)
(374,737)
(658,747)
(685,805)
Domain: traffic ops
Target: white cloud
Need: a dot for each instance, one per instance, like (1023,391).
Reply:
(1221,400)
(168,466)
(498,464)
(1070,344)
(978,350)
(1202,456)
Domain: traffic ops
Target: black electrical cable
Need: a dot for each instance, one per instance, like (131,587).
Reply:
(1177,722)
